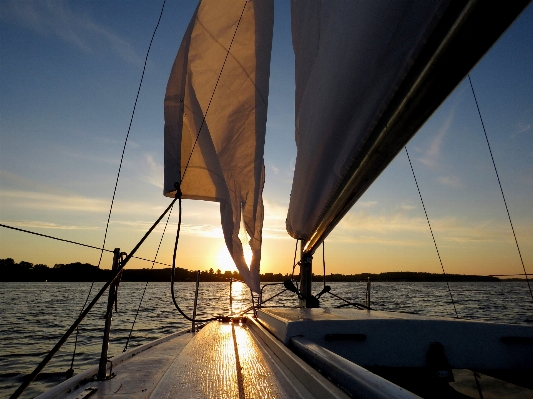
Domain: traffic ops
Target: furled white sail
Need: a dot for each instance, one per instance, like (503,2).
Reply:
(351,57)
(215,118)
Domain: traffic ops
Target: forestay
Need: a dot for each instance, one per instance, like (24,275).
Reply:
(215,118)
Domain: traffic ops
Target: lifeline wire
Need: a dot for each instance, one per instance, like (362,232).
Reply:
(431,231)
(74,242)
(146,285)
(80,318)
(501,188)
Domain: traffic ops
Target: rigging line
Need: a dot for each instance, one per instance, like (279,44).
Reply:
(71,370)
(354,304)
(431,231)
(294,262)
(74,242)
(129,129)
(500,184)
(178,196)
(324,260)
(120,165)
(63,339)
(214,90)
(146,285)
(54,238)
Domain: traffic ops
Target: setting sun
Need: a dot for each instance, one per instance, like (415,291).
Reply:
(224,260)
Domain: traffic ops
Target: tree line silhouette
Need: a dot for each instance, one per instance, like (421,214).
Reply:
(80,272)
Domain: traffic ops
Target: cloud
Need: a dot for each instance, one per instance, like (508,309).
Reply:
(71,203)
(57,18)
(523,127)
(292,165)
(152,171)
(275,169)
(452,181)
(400,229)
(197,230)
(367,204)
(46,225)
(432,154)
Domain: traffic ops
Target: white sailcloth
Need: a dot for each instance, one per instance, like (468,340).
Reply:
(350,58)
(215,118)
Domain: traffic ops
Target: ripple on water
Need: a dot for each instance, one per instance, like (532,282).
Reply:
(36,315)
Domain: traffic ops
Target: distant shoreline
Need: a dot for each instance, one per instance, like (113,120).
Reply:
(84,272)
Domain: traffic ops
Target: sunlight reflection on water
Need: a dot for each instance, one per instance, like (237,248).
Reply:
(36,315)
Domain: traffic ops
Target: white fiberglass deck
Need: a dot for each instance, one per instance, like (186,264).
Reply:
(387,339)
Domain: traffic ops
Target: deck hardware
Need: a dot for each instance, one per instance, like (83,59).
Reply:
(195,301)
(86,392)
(111,300)
(307,299)
(367,294)
(230,296)
(438,363)
(345,337)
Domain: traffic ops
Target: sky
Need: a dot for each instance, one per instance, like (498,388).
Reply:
(69,73)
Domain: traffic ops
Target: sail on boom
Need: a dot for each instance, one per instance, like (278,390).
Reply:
(215,118)
(368,75)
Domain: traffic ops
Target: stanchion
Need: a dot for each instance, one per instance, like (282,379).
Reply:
(111,299)
(195,301)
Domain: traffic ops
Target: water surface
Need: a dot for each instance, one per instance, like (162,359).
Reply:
(34,316)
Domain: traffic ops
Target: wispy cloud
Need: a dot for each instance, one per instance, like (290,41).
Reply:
(432,154)
(400,229)
(70,203)
(152,171)
(451,181)
(406,207)
(46,225)
(367,204)
(523,127)
(59,19)
(292,165)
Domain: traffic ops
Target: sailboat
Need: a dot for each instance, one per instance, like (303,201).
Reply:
(368,75)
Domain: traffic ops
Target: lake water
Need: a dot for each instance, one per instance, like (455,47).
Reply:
(33,316)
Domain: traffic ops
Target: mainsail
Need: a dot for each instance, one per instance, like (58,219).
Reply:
(215,118)
(368,75)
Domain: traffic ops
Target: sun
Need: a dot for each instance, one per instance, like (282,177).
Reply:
(225,262)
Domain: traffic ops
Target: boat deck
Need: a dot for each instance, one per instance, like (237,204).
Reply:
(222,360)
(253,360)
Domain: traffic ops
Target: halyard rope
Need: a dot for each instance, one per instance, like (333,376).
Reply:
(501,188)
(431,231)
(146,285)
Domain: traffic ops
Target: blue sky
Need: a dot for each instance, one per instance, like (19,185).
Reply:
(69,75)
